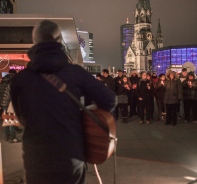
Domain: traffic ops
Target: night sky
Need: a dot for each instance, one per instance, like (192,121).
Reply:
(103,18)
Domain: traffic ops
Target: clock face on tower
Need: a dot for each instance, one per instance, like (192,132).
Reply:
(149,36)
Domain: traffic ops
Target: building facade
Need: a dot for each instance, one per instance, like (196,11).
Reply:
(87,50)
(139,53)
(86,44)
(8,6)
(126,36)
(175,58)
(16,39)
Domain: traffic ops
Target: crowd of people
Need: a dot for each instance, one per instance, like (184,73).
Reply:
(138,92)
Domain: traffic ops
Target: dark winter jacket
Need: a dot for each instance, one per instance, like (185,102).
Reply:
(189,93)
(117,84)
(53,130)
(5,97)
(182,77)
(143,91)
(122,90)
(134,80)
(173,90)
(195,89)
(159,90)
(109,82)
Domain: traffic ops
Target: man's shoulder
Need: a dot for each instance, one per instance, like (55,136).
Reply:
(182,76)
(22,73)
(117,77)
(110,77)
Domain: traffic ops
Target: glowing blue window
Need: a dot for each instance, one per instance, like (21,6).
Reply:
(175,56)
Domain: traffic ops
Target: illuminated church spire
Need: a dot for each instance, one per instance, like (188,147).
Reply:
(159,37)
(143,12)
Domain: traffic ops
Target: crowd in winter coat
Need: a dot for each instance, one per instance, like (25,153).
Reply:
(167,90)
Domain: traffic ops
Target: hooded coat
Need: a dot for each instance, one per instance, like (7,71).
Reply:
(134,79)
(159,90)
(190,93)
(173,89)
(53,130)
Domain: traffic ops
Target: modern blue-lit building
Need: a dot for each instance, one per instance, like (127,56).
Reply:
(126,36)
(174,58)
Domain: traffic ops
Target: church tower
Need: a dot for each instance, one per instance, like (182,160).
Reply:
(143,12)
(140,51)
(159,37)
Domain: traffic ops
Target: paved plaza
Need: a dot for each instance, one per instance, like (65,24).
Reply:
(146,154)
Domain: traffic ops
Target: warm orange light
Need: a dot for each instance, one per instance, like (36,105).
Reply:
(8,57)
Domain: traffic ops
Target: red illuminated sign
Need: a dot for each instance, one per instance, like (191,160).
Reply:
(14,57)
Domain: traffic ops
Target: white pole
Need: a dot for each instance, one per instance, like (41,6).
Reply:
(1,166)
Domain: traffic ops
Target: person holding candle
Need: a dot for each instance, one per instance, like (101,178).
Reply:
(159,95)
(145,91)
(173,95)
(190,97)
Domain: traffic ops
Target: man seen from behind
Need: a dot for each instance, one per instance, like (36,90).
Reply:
(53,140)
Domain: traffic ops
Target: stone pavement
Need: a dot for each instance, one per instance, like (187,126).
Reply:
(152,154)
(146,154)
